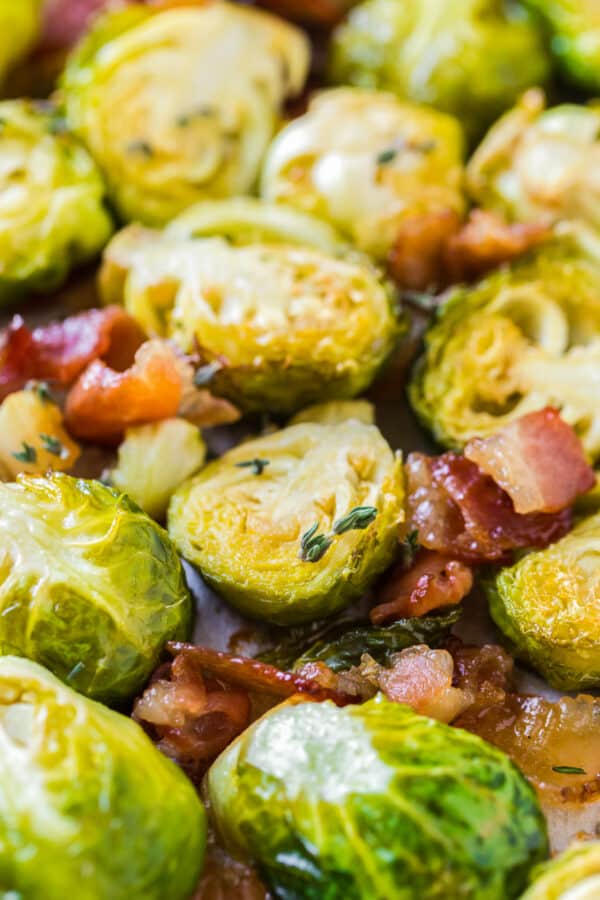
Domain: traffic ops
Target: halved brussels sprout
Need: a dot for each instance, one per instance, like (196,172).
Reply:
(540,165)
(198,90)
(575,38)
(366,162)
(336,411)
(574,875)
(284,326)
(155,459)
(89,585)
(52,213)
(292,527)
(374,801)
(525,337)
(32,435)
(548,606)
(88,807)
(471,58)
(20,22)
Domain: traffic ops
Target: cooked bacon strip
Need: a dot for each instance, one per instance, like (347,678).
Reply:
(104,402)
(318,12)
(432,582)
(415,261)
(66,20)
(537,459)
(60,351)
(460,511)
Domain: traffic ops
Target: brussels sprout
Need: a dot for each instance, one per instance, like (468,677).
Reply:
(20,22)
(88,807)
(32,435)
(51,201)
(336,411)
(471,58)
(293,526)
(374,801)
(574,875)
(198,89)
(285,326)
(89,585)
(155,459)
(547,606)
(538,164)
(366,162)
(525,337)
(575,38)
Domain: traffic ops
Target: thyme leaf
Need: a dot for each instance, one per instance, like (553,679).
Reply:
(358,518)
(53,445)
(314,546)
(27,455)
(568,770)
(257,465)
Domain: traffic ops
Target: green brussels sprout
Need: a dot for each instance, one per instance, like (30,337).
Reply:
(574,875)
(575,38)
(51,201)
(540,165)
(89,808)
(20,22)
(374,801)
(292,527)
(525,337)
(155,459)
(336,411)
(470,58)
(366,162)
(547,606)
(90,586)
(284,326)
(198,89)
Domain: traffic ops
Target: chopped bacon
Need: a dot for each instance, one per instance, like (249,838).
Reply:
(460,511)
(432,582)
(537,459)
(66,20)
(225,878)
(60,351)
(415,261)
(104,402)
(318,12)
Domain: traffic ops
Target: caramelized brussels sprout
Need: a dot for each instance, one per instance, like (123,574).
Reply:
(575,38)
(525,337)
(547,606)
(366,162)
(283,326)
(32,435)
(336,411)
(89,586)
(574,875)
(375,801)
(540,165)
(52,214)
(471,58)
(198,89)
(155,459)
(89,808)
(20,22)
(293,526)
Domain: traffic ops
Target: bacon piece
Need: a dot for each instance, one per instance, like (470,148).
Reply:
(537,459)
(66,20)
(225,878)
(60,351)
(460,511)
(104,402)
(416,259)
(432,582)
(317,12)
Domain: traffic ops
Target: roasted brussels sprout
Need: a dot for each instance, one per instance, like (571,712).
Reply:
(547,606)
(540,165)
(375,801)
(20,22)
(155,459)
(198,89)
(293,526)
(574,875)
(89,808)
(32,435)
(89,586)
(575,38)
(366,162)
(471,58)
(336,411)
(51,201)
(283,326)
(525,337)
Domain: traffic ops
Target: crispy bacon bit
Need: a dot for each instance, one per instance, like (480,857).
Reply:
(460,511)
(66,20)
(318,12)
(486,241)
(104,402)
(486,673)
(225,878)
(415,261)
(432,582)
(537,459)
(60,351)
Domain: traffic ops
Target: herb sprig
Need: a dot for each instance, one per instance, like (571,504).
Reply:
(569,770)
(257,465)
(313,545)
